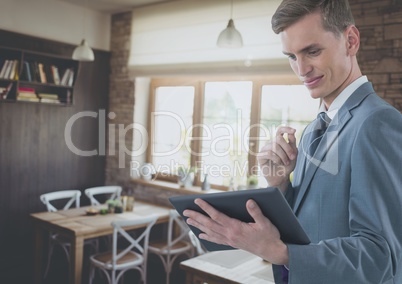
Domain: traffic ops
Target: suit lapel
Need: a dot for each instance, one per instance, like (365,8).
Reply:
(311,164)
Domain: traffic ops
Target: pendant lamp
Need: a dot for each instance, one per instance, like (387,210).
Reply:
(83,52)
(230,37)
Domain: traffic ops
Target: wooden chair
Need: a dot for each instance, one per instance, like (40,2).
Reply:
(199,248)
(132,256)
(69,197)
(177,243)
(113,192)
(107,192)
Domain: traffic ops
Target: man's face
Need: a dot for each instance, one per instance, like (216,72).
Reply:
(318,57)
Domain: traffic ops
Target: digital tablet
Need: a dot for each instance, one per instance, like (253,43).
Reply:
(233,203)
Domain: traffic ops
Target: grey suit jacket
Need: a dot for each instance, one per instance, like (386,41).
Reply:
(348,197)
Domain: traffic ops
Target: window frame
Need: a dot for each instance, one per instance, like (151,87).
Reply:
(258,81)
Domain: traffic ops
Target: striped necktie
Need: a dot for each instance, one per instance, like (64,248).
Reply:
(320,126)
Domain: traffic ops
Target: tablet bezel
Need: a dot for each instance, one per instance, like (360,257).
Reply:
(233,203)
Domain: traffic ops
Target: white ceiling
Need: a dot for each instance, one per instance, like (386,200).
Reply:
(114,6)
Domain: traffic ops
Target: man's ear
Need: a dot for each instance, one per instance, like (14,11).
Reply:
(352,35)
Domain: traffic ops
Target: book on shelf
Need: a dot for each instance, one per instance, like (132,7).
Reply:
(68,77)
(16,70)
(65,77)
(26,72)
(4,91)
(26,90)
(25,99)
(5,72)
(9,70)
(12,70)
(51,101)
(4,69)
(55,74)
(42,73)
(27,96)
(49,98)
(49,73)
(33,67)
(70,81)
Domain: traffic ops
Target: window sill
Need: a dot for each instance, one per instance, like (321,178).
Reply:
(173,187)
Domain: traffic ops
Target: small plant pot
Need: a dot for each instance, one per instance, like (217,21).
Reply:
(118,209)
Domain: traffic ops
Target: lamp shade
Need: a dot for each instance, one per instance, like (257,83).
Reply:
(83,52)
(230,37)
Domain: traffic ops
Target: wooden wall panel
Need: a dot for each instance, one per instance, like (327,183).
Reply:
(34,157)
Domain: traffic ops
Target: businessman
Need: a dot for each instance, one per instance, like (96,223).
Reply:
(347,185)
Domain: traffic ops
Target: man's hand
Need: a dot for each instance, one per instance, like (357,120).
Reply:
(260,238)
(277,159)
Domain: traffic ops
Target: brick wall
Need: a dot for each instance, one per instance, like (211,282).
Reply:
(380,25)
(121,103)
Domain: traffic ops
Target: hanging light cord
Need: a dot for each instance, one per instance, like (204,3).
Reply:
(231,9)
(83,18)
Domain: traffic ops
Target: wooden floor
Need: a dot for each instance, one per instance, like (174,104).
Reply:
(59,274)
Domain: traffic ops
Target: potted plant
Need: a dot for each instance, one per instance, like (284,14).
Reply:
(114,206)
(252,182)
(147,171)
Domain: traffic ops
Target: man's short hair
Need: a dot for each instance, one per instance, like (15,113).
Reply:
(336,14)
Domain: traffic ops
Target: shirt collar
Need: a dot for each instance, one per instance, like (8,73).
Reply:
(342,97)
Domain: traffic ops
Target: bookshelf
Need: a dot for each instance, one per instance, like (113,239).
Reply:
(34,77)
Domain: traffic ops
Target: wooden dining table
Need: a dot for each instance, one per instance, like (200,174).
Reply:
(77,226)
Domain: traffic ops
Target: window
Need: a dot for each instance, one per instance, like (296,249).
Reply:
(218,125)
(173,115)
(226,118)
(285,105)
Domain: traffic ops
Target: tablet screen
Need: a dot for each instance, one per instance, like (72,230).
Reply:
(233,203)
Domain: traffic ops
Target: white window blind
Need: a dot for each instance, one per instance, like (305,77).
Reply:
(184,33)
